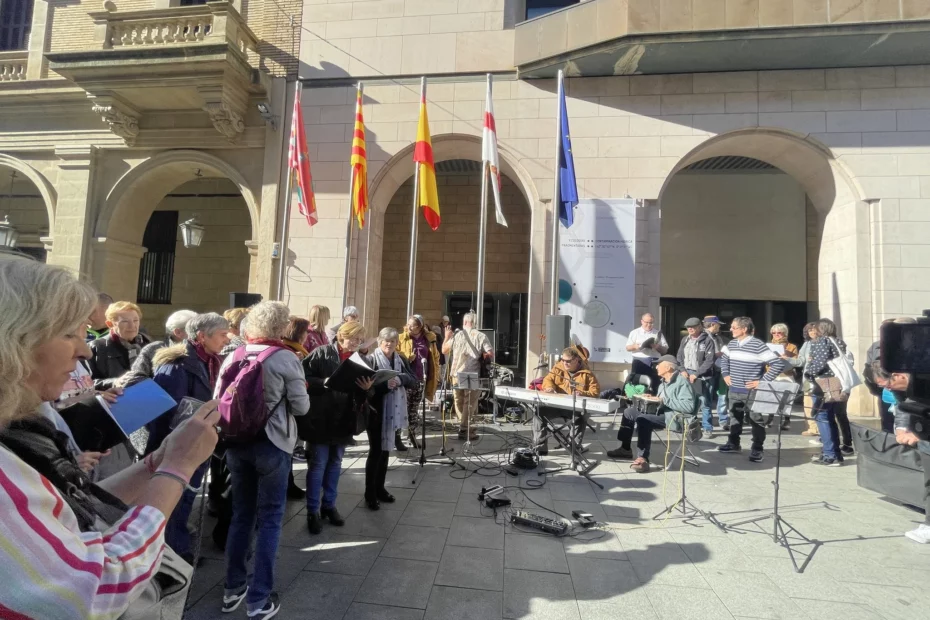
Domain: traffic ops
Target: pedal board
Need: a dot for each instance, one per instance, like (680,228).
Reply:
(586,519)
(494,497)
(540,523)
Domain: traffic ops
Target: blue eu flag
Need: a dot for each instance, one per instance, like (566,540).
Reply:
(568,187)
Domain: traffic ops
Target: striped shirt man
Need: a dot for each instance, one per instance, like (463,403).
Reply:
(54,570)
(744,361)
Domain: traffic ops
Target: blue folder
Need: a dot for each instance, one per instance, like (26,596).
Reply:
(139,405)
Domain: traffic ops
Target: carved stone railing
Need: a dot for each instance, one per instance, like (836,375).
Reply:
(13,66)
(214,22)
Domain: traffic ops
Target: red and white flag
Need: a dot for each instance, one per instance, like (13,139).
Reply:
(489,155)
(298,163)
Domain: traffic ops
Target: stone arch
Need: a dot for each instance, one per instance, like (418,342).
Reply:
(46,190)
(389,178)
(843,261)
(136,194)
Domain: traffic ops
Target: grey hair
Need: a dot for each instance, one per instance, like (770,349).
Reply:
(207,323)
(780,327)
(103,298)
(243,327)
(745,322)
(349,311)
(40,303)
(387,334)
(178,320)
(470,318)
(268,319)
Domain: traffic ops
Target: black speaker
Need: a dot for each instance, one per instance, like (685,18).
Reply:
(558,333)
(243,300)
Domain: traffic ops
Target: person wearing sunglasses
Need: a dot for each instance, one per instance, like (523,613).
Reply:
(570,375)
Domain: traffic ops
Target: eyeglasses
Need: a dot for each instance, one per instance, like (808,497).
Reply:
(569,360)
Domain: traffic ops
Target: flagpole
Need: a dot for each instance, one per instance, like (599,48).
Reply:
(345,278)
(282,258)
(413,224)
(483,230)
(554,274)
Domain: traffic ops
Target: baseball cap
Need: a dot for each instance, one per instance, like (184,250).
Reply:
(693,322)
(445,318)
(671,359)
(710,318)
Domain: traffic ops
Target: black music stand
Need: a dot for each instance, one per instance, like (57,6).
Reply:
(423,460)
(579,463)
(781,395)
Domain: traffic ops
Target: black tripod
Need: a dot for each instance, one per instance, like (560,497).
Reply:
(780,528)
(423,460)
(684,505)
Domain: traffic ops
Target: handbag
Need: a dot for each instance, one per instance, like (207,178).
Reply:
(832,389)
(843,367)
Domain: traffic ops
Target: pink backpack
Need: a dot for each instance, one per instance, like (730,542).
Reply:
(242,396)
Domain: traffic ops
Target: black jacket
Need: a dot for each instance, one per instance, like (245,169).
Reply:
(706,354)
(334,417)
(109,360)
(822,351)
(181,373)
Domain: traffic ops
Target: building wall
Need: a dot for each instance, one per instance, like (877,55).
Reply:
(204,276)
(24,206)
(734,236)
(447,259)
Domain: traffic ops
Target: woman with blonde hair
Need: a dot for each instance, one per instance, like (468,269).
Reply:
(70,548)
(335,418)
(316,332)
(419,345)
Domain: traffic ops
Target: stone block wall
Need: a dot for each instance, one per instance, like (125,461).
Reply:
(447,259)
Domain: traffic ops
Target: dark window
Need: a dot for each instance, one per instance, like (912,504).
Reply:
(15,23)
(192,2)
(156,271)
(535,8)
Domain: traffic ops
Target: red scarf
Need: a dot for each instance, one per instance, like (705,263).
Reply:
(343,353)
(212,361)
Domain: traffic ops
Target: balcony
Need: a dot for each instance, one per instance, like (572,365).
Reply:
(13,66)
(180,58)
(628,37)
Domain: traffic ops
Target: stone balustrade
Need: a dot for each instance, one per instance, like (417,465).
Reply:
(215,22)
(13,66)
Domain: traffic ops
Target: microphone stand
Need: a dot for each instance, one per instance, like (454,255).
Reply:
(423,460)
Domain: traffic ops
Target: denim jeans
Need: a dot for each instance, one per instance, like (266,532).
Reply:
(706,400)
(324,466)
(177,535)
(825,414)
(259,494)
(723,417)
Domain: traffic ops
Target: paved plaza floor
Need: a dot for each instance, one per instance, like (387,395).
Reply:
(438,554)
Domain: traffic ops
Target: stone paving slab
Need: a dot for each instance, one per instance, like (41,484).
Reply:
(439,554)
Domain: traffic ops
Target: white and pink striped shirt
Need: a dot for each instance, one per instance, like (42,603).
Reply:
(50,569)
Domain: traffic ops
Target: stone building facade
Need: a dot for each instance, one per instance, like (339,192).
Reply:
(113,111)
(836,97)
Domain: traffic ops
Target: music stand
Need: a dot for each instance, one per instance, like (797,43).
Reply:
(776,398)
(684,505)
(423,460)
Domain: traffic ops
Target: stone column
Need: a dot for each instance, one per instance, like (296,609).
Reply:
(74,207)
(116,267)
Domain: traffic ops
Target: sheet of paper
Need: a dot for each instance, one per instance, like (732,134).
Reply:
(778,349)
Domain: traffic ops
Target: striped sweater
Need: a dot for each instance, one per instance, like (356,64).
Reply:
(51,569)
(746,360)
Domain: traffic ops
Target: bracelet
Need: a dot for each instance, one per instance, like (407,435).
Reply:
(178,479)
(175,475)
(150,463)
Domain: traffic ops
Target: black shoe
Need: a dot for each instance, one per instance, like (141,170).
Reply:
(294,492)
(314,523)
(270,610)
(542,452)
(399,443)
(827,462)
(729,447)
(412,438)
(299,455)
(353,442)
(333,515)
(387,498)
(231,602)
(373,504)
(786,425)
(755,456)
(725,428)
(847,450)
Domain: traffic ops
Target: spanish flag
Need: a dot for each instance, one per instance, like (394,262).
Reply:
(423,157)
(359,165)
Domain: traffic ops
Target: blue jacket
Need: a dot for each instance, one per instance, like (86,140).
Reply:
(179,372)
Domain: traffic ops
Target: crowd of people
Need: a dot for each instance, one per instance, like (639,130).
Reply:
(118,519)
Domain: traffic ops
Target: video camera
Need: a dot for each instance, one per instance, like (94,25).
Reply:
(905,348)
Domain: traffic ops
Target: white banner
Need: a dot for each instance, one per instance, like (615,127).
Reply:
(597,276)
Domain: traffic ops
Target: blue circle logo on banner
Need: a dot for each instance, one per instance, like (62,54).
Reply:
(565,291)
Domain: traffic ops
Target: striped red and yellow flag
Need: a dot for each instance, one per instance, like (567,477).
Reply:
(358,164)
(423,157)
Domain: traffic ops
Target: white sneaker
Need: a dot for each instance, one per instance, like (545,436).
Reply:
(815,442)
(921,534)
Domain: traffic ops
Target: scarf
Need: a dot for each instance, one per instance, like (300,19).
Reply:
(212,361)
(297,348)
(344,354)
(394,410)
(134,346)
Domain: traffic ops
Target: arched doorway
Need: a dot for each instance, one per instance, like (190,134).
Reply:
(379,256)
(766,223)
(140,255)
(28,200)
